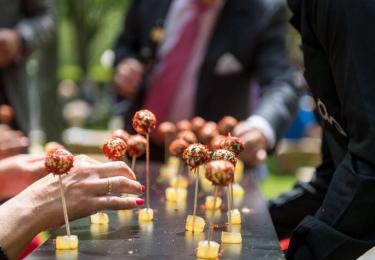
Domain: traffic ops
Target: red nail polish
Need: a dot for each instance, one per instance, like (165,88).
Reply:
(143,188)
(139,202)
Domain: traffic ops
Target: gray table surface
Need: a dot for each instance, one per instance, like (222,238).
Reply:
(165,237)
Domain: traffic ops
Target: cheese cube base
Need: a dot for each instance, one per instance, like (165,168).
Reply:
(208,250)
(235,216)
(231,237)
(238,191)
(146,214)
(199,224)
(99,218)
(175,194)
(210,202)
(181,182)
(66,242)
(238,171)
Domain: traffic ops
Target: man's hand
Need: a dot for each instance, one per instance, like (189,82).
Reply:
(10,46)
(129,74)
(254,141)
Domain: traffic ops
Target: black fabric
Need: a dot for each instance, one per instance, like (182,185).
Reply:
(259,47)
(338,51)
(3,256)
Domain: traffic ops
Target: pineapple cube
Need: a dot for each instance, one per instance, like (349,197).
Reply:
(66,242)
(238,171)
(182,182)
(175,194)
(99,218)
(98,229)
(167,172)
(231,237)
(174,162)
(235,216)
(210,202)
(208,250)
(146,214)
(199,224)
(206,184)
(238,191)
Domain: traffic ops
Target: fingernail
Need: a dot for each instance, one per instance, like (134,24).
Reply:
(143,188)
(139,202)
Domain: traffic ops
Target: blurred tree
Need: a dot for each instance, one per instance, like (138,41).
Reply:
(87,18)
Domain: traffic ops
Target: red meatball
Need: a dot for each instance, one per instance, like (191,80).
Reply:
(197,123)
(50,146)
(227,124)
(115,148)
(188,136)
(195,155)
(220,173)
(183,125)
(208,132)
(177,147)
(59,161)
(232,144)
(216,142)
(144,121)
(224,155)
(136,145)
(120,133)
(167,130)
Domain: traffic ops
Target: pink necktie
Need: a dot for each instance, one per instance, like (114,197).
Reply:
(165,84)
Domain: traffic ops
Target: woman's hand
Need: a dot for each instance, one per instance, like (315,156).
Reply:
(39,206)
(11,142)
(18,172)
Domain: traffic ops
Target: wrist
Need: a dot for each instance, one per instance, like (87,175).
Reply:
(20,225)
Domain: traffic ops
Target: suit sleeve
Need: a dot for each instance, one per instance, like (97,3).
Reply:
(279,95)
(38,25)
(127,45)
(344,227)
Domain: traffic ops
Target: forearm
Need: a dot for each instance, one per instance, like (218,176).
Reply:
(18,225)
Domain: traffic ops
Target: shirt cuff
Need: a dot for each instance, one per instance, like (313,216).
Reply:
(264,127)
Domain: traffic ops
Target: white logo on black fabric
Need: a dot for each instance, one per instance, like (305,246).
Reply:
(330,119)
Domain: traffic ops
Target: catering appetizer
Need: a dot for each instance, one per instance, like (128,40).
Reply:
(177,193)
(136,148)
(220,173)
(114,150)
(183,125)
(144,121)
(50,146)
(227,124)
(194,156)
(215,143)
(120,133)
(167,130)
(59,162)
(188,136)
(197,123)
(208,132)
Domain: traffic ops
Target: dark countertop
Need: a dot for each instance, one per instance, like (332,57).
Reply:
(165,237)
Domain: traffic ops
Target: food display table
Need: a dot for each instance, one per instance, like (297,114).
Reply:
(165,236)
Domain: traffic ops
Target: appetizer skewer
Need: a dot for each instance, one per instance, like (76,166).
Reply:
(59,162)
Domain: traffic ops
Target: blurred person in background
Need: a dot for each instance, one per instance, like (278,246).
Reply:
(332,216)
(189,58)
(24,27)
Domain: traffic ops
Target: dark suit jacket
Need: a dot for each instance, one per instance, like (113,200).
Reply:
(35,22)
(338,51)
(254,32)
